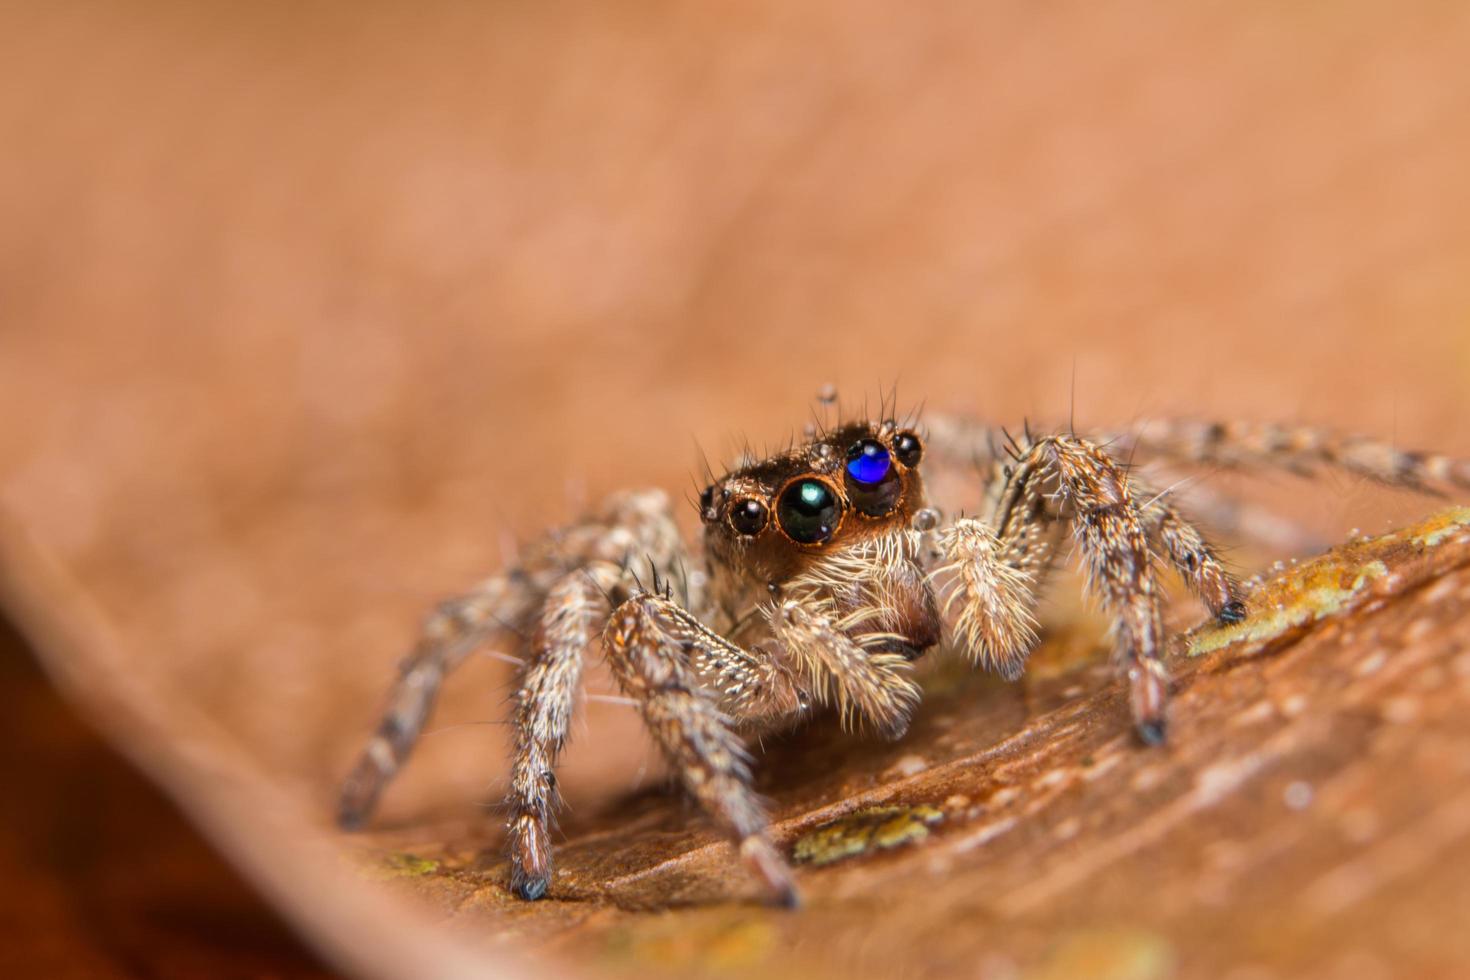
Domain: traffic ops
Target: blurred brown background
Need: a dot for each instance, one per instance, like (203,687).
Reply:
(100,876)
(307,309)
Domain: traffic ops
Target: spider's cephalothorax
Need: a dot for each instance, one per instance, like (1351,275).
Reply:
(822,574)
(828,522)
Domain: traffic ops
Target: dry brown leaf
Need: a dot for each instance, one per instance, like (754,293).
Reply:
(306,310)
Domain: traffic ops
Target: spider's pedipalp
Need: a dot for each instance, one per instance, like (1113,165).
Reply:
(863,682)
(850,624)
(649,643)
(450,633)
(996,622)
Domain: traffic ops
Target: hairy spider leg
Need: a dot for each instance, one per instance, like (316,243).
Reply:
(649,643)
(575,610)
(1192,556)
(1093,496)
(450,633)
(1304,450)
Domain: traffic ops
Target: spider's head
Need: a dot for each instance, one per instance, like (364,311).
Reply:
(811,510)
(852,484)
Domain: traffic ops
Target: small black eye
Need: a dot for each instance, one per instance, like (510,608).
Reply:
(707,503)
(873,483)
(809,511)
(908,448)
(748,516)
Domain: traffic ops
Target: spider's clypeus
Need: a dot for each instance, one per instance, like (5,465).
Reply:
(823,572)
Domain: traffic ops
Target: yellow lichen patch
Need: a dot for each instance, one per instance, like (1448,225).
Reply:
(1331,583)
(1296,601)
(398,864)
(1440,526)
(875,828)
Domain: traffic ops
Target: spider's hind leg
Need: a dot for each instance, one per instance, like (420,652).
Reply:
(450,633)
(1302,449)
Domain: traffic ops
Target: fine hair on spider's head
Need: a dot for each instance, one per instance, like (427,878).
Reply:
(829,520)
(852,483)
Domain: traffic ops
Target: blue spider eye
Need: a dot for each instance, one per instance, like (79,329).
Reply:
(873,483)
(868,462)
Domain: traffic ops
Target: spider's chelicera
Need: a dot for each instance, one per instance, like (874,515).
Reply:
(822,574)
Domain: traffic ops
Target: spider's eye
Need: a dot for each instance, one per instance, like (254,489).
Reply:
(872,480)
(748,516)
(707,503)
(809,511)
(908,448)
(867,462)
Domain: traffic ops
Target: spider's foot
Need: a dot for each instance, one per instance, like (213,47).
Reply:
(788,898)
(1232,612)
(530,857)
(529,888)
(350,819)
(359,794)
(1153,732)
(773,872)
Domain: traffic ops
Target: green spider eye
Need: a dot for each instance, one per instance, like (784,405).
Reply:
(809,511)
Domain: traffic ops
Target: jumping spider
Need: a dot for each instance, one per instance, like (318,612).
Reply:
(823,573)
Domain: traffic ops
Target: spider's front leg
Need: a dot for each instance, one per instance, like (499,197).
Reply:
(1109,529)
(1193,557)
(574,608)
(662,656)
(995,569)
(997,566)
